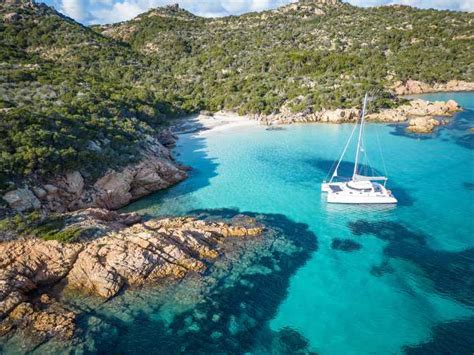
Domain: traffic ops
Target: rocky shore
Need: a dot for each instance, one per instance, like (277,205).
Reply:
(419,114)
(411,87)
(35,273)
(156,170)
(115,251)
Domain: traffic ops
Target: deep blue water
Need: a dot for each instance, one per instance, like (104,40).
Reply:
(382,280)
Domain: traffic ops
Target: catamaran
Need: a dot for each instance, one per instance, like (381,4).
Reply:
(361,189)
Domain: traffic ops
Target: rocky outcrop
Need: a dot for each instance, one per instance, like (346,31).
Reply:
(45,318)
(143,253)
(117,188)
(308,7)
(400,114)
(420,114)
(26,265)
(167,138)
(411,87)
(423,124)
(416,108)
(22,199)
(154,250)
(11,17)
(285,116)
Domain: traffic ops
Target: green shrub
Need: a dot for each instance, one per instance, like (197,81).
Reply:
(73,98)
(32,225)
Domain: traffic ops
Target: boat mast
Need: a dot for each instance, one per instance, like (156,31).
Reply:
(364,106)
(335,173)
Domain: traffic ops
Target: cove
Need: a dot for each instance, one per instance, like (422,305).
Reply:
(407,287)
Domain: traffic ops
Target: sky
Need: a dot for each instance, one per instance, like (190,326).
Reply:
(110,11)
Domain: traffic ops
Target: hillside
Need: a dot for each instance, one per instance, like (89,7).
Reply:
(312,54)
(70,97)
(74,97)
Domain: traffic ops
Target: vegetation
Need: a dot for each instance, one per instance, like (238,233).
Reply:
(73,97)
(33,225)
(307,55)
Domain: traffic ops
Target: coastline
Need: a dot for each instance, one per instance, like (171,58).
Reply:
(205,123)
(414,87)
(231,246)
(420,116)
(120,231)
(115,252)
(158,169)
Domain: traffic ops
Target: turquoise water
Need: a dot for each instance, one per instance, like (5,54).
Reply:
(407,284)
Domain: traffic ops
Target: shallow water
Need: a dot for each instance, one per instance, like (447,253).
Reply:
(331,279)
(409,285)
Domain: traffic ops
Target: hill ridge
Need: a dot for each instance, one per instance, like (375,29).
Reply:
(75,97)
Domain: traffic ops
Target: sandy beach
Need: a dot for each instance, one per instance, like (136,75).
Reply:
(220,121)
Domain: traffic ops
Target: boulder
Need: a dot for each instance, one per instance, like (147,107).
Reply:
(22,200)
(51,189)
(416,87)
(167,138)
(339,115)
(452,106)
(114,189)
(75,183)
(39,192)
(391,115)
(424,124)
(117,189)
(26,264)
(43,320)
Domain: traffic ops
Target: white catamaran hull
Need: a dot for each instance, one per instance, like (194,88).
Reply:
(335,198)
(344,192)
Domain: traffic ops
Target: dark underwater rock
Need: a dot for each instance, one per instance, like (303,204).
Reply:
(448,338)
(469,186)
(347,245)
(225,309)
(381,269)
(450,272)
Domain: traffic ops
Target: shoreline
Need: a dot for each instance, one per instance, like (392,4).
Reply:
(415,87)
(122,239)
(203,124)
(118,188)
(421,116)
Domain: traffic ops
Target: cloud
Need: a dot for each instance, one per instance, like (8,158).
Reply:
(109,11)
(117,12)
(76,9)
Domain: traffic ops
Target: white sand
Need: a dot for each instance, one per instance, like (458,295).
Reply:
(220,121)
